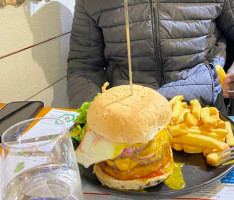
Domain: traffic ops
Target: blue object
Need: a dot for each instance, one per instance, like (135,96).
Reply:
(229,178)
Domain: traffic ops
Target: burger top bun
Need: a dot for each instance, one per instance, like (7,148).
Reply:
(124,118)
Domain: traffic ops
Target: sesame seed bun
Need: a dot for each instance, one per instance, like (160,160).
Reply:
(124,118)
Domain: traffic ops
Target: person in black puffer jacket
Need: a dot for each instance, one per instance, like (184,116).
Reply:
(175,46)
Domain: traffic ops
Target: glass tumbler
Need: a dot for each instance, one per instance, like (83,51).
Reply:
(38,162)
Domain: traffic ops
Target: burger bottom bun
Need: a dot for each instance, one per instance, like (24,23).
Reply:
(135,184)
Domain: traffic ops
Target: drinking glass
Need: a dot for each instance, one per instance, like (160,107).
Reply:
(38,162)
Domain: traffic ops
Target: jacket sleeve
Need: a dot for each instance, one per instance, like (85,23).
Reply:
(86,63)
(226,20)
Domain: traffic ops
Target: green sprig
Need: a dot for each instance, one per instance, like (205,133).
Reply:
(80,123)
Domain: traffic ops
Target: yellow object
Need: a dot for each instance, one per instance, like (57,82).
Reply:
(178,129)
(176,112)
(126,164)
(75,133)
(229,137)
(120,147)
(190,119)
(175,180)
(110,162)
(176,98)
(200,140)
(192,149)
(155,146)
(207,119)
(200,130)
(196,108)
(213,159)
(229,162)
(221,74)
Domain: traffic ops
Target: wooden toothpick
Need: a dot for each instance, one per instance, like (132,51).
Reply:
(128,45)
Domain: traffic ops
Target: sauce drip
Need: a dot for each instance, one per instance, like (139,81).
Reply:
(175,180)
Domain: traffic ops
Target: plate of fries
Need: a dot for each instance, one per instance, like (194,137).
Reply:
(195,129)
(198,134)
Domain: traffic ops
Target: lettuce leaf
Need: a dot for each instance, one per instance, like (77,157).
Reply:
(80,123)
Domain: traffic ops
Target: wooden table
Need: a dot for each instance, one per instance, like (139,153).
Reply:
(43,111)
(2,105)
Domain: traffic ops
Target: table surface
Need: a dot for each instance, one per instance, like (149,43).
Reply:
(43,111)
(2,105)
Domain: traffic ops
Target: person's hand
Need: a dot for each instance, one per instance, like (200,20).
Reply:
(228,84)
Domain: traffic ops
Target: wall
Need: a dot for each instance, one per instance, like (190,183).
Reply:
(34,45)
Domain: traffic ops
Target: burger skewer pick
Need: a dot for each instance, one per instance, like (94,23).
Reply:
(128,45)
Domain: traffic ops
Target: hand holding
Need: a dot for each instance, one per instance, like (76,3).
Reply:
(228,84)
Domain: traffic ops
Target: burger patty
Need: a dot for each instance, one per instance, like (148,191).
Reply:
(141,171)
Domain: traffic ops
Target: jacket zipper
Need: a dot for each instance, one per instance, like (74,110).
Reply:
(156,39)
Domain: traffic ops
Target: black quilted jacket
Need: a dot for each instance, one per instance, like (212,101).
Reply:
(175,45)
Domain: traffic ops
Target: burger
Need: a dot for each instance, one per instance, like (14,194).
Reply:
(126,138)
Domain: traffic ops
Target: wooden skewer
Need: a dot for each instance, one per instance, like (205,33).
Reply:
(128,45)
